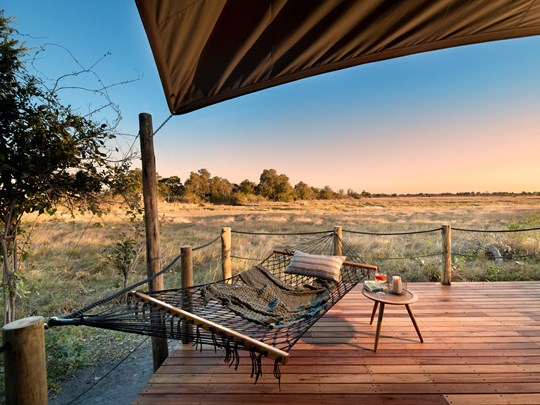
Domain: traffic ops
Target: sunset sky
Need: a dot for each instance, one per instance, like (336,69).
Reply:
(463,119)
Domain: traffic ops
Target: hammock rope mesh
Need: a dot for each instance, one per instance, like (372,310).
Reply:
(234,304)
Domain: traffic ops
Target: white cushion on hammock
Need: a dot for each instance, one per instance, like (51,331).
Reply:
(320,266)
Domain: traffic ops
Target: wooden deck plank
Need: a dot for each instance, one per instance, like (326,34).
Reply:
(493,399)
(482,345)
(306,399)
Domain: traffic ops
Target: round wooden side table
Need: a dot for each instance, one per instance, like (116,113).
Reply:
(406,298)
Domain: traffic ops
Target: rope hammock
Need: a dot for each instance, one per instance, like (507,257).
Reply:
(263,310)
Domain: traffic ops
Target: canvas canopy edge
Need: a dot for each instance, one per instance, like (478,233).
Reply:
(390,54)
(184,55)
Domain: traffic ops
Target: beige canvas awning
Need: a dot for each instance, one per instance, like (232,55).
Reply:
(208,51)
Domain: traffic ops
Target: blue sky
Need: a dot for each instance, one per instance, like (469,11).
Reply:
(463,119)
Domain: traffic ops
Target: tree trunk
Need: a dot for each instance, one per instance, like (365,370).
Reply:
(8,286)
(9,307)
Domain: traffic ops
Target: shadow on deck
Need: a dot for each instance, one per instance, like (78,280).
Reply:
(481,346)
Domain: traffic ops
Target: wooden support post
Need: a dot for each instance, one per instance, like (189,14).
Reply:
(187,281)
(338,238)
(447,255)
(226,261)
(24,361)
(187,266)
(153,263)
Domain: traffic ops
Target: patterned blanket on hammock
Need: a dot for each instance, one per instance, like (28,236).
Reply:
(264,299)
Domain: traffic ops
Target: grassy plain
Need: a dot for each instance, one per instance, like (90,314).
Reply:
(65,266)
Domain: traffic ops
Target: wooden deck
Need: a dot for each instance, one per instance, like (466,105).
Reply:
(482,346)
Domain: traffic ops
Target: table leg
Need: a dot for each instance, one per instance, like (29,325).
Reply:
(379,323)
(414,322)
(375,305)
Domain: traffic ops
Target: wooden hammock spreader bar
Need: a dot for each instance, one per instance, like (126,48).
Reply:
(345,263)
(250,343)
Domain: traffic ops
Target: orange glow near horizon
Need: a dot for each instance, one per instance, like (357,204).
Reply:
(500,154)
(453,121)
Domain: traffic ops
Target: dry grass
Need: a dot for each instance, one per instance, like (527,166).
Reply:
(65,267)
(66,254)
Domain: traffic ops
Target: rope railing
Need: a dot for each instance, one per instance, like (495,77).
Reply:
(515,256)
(438,254)
(475,254)
(392,233)
(331,231)
(207,244)
(495,231)
(123,291)
(252,259)
(280,233)
(323,242)
(329,237)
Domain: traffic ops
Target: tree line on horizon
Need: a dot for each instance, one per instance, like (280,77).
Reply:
(202,187)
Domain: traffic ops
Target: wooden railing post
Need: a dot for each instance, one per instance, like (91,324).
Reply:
(226,261)
(153,263)
(447,255)
(338,238)
(24,361)
(187,281)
